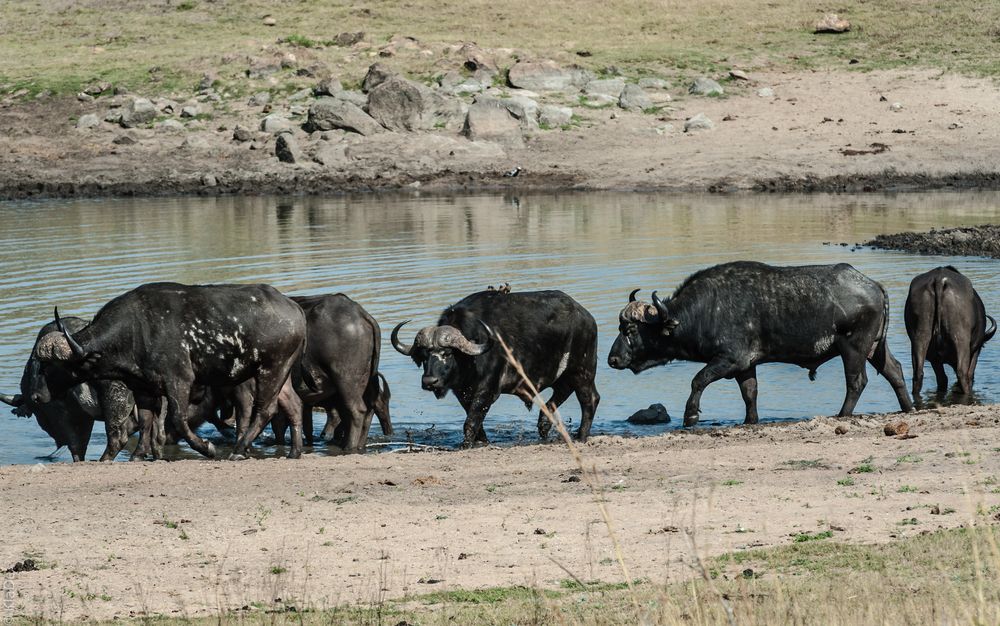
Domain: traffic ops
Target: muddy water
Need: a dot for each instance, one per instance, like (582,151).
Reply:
(406,257)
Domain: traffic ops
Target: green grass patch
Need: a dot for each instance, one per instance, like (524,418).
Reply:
(802,537)
(845,482)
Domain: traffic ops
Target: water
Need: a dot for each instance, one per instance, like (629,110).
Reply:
(406,257)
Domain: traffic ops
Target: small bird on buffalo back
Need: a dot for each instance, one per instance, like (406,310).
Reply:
(504,288)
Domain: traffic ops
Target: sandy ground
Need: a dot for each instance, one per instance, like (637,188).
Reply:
(816,133)
(196,537)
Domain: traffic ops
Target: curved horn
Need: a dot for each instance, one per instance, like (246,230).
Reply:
(78,350)
(14,401)
(462,343)
(660,306)
(394,338)
(631,296)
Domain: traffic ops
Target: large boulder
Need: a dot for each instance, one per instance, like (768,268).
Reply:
(377,74)
(89,120)
(333,113)
(524,109)
(605,87)
(489,119)
(275,124)
(137,111)
(552,116)
(546,76)
(633,98)
(403,105)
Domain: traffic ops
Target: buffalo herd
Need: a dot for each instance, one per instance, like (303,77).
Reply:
(165,358)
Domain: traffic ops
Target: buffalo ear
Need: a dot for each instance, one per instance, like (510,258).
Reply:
(669,325)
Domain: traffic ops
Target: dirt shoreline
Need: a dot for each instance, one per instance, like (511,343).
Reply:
(192,538)
(812,135)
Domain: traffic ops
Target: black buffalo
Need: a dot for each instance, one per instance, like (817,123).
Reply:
(70,420)
(339,372)
(946,322)
(553,337)
(735,316)
(173,341)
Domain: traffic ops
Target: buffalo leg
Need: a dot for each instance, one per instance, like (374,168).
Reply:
(382,406)
(307,424)
(589,399)
(475,413)
(918,353)
(962,361)
(332,422)
(890,369)
(715,370)
(856,378)
(178,401)
(354,410)
(290,405)
(267,386)
(560,391)
(941,377)
(747,380)
(279,424)
(117,406)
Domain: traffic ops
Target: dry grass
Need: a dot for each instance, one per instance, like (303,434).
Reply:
(63,44)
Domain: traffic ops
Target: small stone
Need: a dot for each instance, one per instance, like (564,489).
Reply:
(840,429)
(633,98)
(539,531)
(287,149)
(833,24)
(765,92)
(954,126)
(327,87)
(703,86)
(96,89)
(896,428)
(270,21)
(209,180)
(259,99)
(653,83)
(138,111)
(896,107)
(348,39)
(698,122)
(275,124)
(654,414)
(289,61)
(606,87)
(84,97)
(120,90)
(90,120)
(191,110)
(301,94)
(664,129)
(738,75)
(552,116)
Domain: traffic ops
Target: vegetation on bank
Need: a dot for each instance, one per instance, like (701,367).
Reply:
(158,46)
(950,576)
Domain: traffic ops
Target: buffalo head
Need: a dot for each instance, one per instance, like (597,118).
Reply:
(440,350)
(63,363)
(643,335)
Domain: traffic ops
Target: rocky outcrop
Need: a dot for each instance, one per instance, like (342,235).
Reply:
(403,105)
(489,119)
(333,113)
(546,76)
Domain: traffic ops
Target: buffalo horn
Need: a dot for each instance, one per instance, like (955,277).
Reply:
(394,338)
(76,347)
(631,296)
(11,400)
(660,307)
(474,349)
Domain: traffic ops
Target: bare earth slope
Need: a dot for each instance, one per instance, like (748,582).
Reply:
(196,537)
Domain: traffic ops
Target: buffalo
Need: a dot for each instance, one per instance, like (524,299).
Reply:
(173,341)
(552,336)
(946,322)
(735,316)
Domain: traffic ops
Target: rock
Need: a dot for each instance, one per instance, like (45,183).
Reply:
(270,21)
(125,140)
(301,94)
(88,120)
(633,98)
(114,116)
(738,75)
(896,107)
(169,126)
(206,82)
(356,98)
(698,122)
(703,86)
(286,148)
(490,120)
(653,83)
(765,92)
(289,61)
(331,154)
(84,97)
(665,129)
(195,142)
(120,90)
(259,99)
(553,116)
(96,89)
(599,101)
(524,109)
(377,74)
(348,39)
(275,124)
(327,87)
(137,111)
(477,59)
(191,110)
(209,180)
(840,429)
(612,87)
(332,113)
(896,428)
(655,414)
(831,23)
(242,134)
(403,105)
(546,76)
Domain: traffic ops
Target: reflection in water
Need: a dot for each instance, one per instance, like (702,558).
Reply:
(406,257)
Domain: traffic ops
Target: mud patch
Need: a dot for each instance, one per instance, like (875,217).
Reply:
(981,240)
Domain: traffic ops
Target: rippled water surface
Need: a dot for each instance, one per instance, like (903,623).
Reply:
(407,257)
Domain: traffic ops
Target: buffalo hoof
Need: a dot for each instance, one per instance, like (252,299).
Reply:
(690,421)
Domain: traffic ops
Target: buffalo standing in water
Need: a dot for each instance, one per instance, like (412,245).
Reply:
(553,337)
(736,315)
(946,322)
